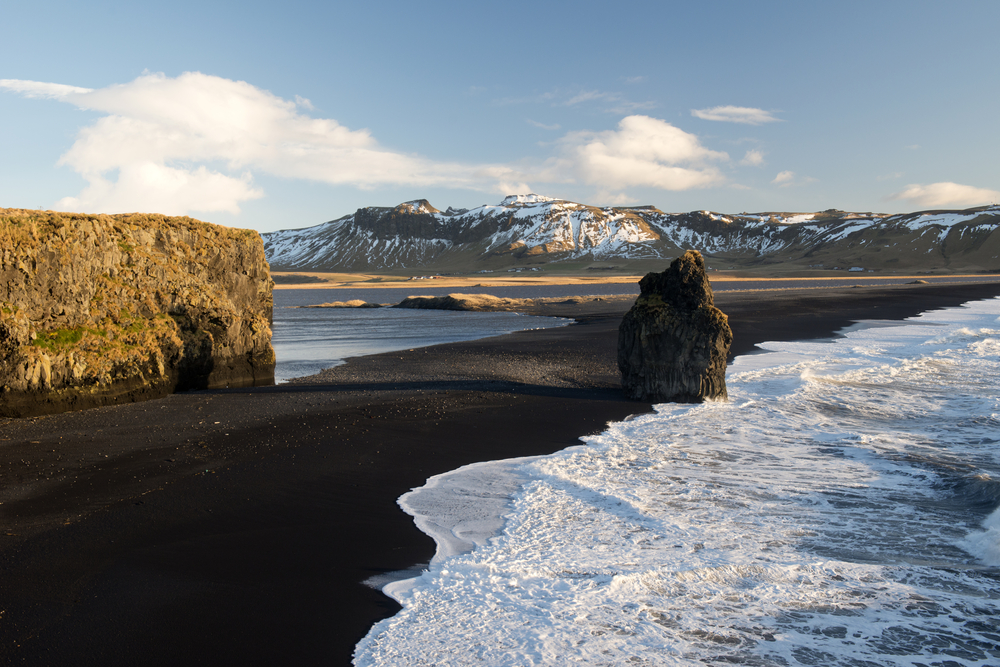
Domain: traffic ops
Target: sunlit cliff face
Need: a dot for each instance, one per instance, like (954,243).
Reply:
(95,308)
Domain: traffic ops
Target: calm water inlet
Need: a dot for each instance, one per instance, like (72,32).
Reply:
(307,340)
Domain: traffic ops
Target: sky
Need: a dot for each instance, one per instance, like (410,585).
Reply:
(271,117)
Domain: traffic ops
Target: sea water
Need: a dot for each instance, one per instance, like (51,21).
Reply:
(841,508)
(308,340)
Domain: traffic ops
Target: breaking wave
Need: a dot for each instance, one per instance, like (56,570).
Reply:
(840,509)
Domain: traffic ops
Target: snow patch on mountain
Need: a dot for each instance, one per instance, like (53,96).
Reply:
(533,227)
(511,200)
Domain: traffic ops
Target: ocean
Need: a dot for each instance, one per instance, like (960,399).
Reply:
(307,340)
(841,508)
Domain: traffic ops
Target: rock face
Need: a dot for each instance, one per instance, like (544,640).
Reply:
(673,343)
(101,309)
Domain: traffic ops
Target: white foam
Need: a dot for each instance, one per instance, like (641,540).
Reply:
(460,510)
(839,509)
(985,544)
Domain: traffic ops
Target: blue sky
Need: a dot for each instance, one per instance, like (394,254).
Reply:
(254,115)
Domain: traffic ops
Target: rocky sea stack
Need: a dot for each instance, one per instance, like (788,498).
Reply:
(673,343)
(101,309)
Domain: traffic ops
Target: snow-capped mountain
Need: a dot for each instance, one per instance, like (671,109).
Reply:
(533,230)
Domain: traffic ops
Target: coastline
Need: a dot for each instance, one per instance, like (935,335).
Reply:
(327,280)
(235,525)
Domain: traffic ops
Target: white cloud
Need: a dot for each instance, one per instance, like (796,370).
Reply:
(194,143)
(158,127)
(753,158)
(784,178)
(611,102)
(731,114)
(788,179)
(629,107)
(937,195)
(591,95)
(155,187)
(643,151)
(39,89)
(615,199)
(554,126)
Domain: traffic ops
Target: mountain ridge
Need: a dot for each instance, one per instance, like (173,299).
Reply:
(534,231)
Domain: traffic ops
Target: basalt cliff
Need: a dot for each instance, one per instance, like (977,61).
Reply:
(103,309)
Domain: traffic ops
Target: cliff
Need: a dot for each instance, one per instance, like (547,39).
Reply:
(101,309)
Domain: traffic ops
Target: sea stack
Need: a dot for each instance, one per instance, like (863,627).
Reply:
(104,309)
(673,342)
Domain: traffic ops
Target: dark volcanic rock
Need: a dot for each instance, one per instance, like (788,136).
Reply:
(673,343)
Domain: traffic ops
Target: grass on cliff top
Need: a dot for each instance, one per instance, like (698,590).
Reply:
(18,225)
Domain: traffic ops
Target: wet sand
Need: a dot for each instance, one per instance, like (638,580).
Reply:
(235,526)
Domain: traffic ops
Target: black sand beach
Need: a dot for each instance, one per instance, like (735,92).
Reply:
(235,526)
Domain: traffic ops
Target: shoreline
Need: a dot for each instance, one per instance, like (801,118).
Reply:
(374,281)
(236,526)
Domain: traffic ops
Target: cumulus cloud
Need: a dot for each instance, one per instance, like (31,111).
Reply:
(939,195)
(784,178)
(642,152)
(731,114)
(787,179)
(193,143)
(157,127)
(753,158)
(148,186)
